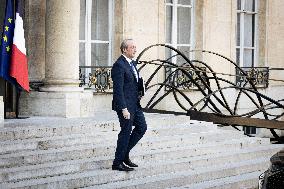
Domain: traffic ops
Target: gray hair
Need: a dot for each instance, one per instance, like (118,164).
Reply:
(124,44)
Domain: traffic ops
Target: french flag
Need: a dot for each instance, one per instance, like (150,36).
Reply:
(19,62)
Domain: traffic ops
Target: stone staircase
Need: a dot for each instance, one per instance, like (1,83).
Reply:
(176,152)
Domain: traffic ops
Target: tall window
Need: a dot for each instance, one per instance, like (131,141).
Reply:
(246,47)
(95,32)
(179,26)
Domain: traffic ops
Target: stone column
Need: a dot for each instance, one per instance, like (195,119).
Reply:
(62,45)
(34,24)
(61,95)
(62,58)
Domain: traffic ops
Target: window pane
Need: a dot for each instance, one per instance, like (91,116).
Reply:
(238,56)
(82,19)
(248,57)
(185,51)
(168,55)
(248,30)
(169,16)
(250,5)
(168,69)
(82,59)
(249,130)
(169,1)
(184,2)
(239,5)
(183,25)
(99,54)
(238,29)
(100,20)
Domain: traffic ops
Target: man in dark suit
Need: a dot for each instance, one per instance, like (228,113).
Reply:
(126,103)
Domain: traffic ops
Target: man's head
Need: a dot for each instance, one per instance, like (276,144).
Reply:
(128,48)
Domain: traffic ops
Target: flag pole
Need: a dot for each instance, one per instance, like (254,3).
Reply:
(4,98)
(18,94)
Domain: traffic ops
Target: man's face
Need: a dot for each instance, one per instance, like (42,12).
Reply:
(130,51)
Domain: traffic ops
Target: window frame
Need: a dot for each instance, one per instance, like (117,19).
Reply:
(255,36)
(88,41)
(174,28)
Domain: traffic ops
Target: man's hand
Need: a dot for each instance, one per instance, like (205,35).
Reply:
(125,113)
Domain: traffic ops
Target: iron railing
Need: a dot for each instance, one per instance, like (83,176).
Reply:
(97,78)
(259,76)
(180,78)
(221,99)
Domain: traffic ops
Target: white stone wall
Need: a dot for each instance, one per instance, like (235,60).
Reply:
(145,23)
(218,29)
(275,39)
(82,104)
(102,102)
(50,104)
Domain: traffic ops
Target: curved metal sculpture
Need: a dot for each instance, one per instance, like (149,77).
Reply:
(213,89)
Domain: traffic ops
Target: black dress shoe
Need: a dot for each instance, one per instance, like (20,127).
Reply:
(129,163)
(121,167)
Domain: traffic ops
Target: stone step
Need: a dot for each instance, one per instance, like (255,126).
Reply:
(78,153)
(184,135)
(181,178)
(66,126)
(95,150)
(178,164)
(141,177)
(247,180)
(142,154)
(44,131)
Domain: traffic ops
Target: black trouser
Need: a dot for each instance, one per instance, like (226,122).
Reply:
(128,138)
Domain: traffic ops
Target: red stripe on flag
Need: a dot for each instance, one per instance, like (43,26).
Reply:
(19,68)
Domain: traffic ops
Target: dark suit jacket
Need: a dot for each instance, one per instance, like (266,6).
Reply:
(125,87)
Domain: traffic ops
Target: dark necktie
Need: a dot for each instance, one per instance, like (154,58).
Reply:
(134,70)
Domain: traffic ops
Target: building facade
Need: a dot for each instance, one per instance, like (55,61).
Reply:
(65,35)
